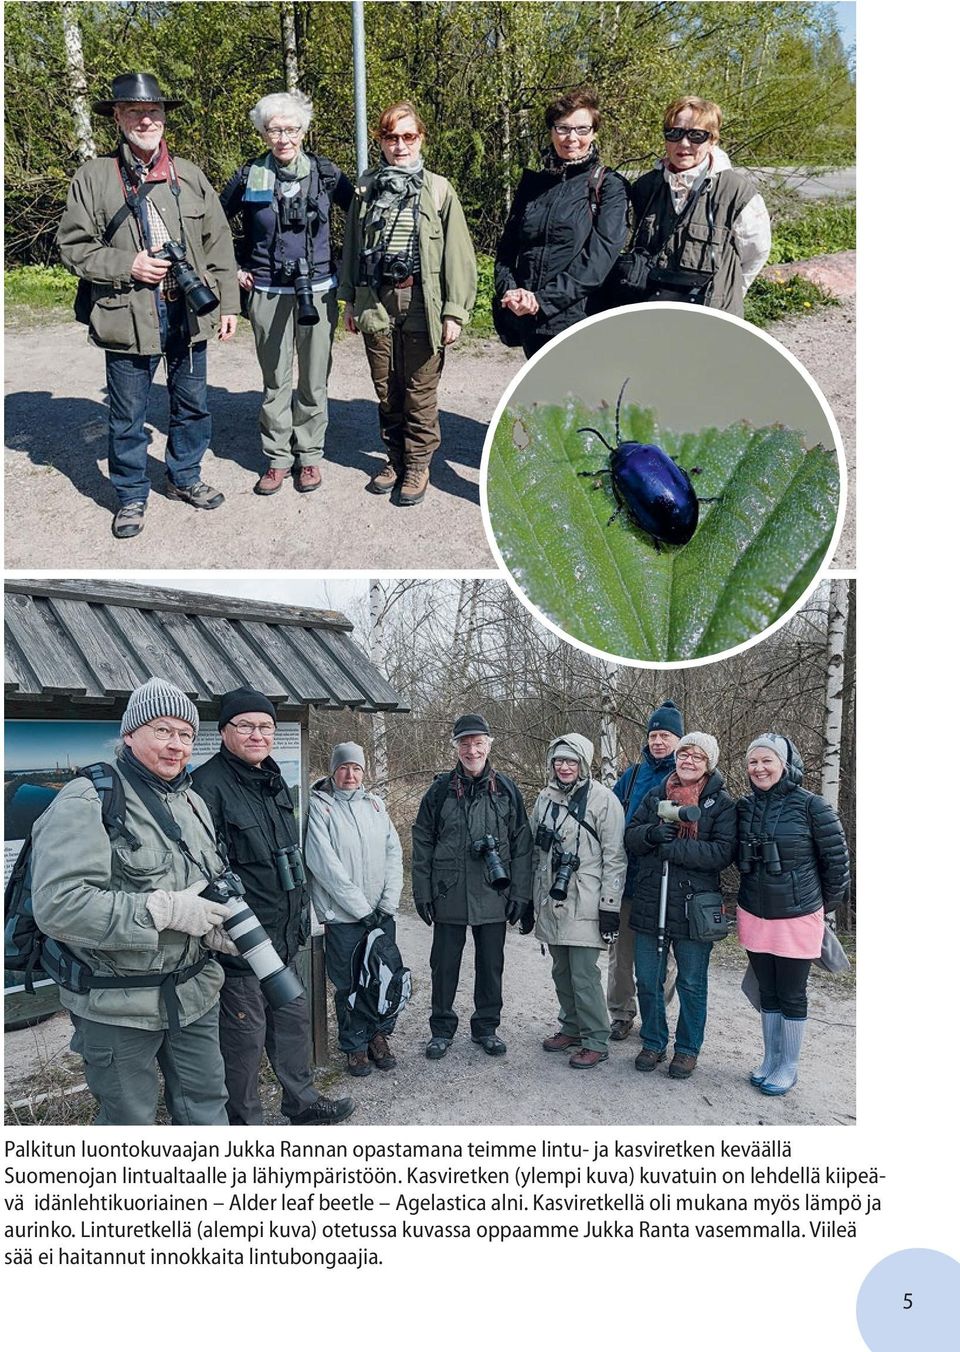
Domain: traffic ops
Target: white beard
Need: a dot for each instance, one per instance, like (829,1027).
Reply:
(146,141)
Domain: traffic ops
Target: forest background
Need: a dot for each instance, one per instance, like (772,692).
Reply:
(480,73)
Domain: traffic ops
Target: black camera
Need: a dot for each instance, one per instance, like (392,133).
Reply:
(298,274)
(195,291)
(546,838)
(378,267)
(396,268)
(565,865)
(289,862)
(279,983)
(487,848)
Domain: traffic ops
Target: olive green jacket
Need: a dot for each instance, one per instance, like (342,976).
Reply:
(448,264)
(124,312)
(91,894)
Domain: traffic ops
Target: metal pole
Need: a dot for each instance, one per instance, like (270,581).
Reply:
(360,85)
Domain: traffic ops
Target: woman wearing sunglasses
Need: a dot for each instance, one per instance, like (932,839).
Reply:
(566,227)
(701,230)
(409,282)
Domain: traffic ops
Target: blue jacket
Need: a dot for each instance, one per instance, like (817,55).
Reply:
(631,788)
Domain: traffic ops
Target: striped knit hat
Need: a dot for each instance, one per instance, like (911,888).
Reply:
(157,699)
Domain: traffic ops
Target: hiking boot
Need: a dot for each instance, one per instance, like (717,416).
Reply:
(436,1048)
(129,520)
(560,1042)
(648,1059)
(416,481)
(385,481)
(682,1066)
(307,479)
(491,1044)
(380,1053)
(324,1113)
(620,1030)
(270,483)
(198,495)
(358,1065)
(586,1059)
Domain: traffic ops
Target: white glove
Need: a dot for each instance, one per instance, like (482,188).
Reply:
(221,943)
(186,911)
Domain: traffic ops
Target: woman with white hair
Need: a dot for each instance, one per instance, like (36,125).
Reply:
(289,284)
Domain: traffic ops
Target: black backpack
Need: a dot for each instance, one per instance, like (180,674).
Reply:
(381,984)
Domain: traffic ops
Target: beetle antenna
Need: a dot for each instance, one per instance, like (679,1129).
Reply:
(619,402)
(606,443)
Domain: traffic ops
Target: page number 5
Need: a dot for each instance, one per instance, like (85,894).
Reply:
(908,1300)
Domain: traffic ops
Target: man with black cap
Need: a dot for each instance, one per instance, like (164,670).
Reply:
(123,211)
(664,730)
(130,907)
(472,856)
(253,813)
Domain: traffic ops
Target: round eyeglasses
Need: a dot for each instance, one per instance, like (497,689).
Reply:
(248,729)
(163,733)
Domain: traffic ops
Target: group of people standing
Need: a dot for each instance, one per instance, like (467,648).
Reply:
(161,273)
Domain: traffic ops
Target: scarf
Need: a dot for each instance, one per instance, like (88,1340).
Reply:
(265,173)
(553,164)
(686,795)
(139,771)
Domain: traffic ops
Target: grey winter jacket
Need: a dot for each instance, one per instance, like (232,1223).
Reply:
(597,885)
(91,893)
(353,854)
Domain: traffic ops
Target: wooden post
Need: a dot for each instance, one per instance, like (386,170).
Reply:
(318,999)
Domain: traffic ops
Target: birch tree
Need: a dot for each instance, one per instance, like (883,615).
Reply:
(77,83)
(609,732)
(833,690)
(378,720)
(291,60)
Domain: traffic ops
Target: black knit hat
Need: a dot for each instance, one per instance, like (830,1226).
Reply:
(667,718)
(471,725)
(244,701)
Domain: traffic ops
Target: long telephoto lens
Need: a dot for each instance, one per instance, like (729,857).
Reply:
(279,983)
(673,812)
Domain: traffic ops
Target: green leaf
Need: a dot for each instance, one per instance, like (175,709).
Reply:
(753,555)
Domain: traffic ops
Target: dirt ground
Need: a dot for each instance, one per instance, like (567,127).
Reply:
(59,500)
(529,1086)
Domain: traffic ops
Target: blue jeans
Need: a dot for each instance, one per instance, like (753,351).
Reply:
(693,959)
(339,945)
(128,386)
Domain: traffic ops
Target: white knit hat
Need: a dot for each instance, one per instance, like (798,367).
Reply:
(771,741)
(707,744)
(158,699)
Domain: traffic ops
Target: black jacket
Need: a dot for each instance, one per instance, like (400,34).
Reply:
(456,810)
(813,857)
(554,245)
(254,817)
(695,865)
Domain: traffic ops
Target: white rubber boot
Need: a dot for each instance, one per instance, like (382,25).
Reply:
(785,1076)
(771,1021)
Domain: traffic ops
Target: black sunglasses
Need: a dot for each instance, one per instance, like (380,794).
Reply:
(695,135)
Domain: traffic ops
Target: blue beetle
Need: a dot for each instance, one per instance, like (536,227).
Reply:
(655,492)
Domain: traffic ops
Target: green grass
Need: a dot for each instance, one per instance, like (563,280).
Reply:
(40,287)
(821,228)
(769,300)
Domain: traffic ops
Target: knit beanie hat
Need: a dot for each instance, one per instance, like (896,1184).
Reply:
(564,751)
(772,742)
(345,752)
(157,699)
(667,718)
(244,701)
(471,725)
(707,744)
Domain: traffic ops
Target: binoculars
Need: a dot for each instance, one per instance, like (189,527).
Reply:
(759,850)
(289,862)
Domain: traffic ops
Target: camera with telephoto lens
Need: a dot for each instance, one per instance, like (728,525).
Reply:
(565,865)
(298,275)
(487,848)
(760,850)
(279,983)
(546,838)
(195,291)
(674,812)
(289,862)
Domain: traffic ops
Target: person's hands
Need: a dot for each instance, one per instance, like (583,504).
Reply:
(245,279)
(372,921)
(228,327)
(520,301)
(514,911)
(349,323)
(146,268)
(424,911)
(186,911)
(221,943)
(609,926)
(528,919)
(661,833)
(451,332)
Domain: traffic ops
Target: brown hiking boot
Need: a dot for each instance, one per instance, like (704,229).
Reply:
(307,479)
(682,1066)
(271,482)
(416,481)
(586,1059)
(620,1029)
(648,1059)
(385,481)
(380,1053)
(357,1064)
(560,1042)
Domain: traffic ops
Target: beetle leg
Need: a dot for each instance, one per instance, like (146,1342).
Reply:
(659,546)
(592,473)
(708,499)
(615,515)
(696,470)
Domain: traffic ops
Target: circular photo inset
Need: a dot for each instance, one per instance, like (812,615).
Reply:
(663,484)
